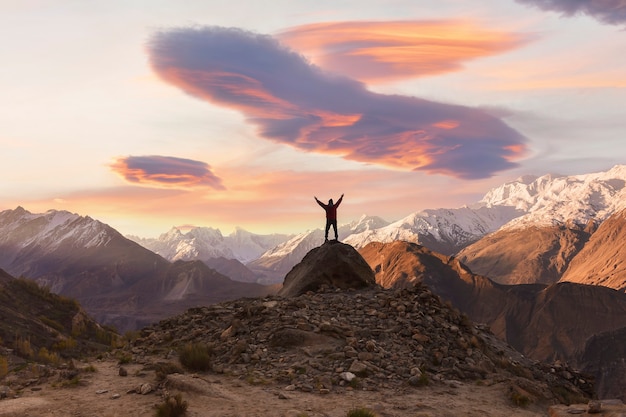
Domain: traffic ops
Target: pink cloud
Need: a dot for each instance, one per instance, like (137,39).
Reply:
(166,171)
(293,102)
(385,51)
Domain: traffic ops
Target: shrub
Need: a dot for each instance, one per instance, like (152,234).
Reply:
(65,344)
(195,357)
(361,412)
(4,366)
(172,407)
(163,369)
(48,357)
(519,399)
(90,368)
(23,348)
(124,358)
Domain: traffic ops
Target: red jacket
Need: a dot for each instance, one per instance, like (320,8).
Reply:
(331,209)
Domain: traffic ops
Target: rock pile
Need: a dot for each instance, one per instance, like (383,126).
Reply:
(370,339)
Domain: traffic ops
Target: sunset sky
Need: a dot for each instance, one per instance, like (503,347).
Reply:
(148,114)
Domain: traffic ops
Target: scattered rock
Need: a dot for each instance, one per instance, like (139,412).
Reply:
(4,391)
(347,376)
(606,408)
(123,371)
(594,407)
(325,339)
(145,389)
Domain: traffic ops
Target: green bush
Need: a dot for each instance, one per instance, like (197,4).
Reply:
(172,407)
(361,412)
(195,357)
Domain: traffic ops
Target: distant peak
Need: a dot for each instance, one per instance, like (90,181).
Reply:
(527,179)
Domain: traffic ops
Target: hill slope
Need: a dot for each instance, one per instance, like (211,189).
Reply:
(32,318)
(602,261)
(543,322)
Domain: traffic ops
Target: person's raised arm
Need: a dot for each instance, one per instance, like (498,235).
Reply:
(319,202)
(339,201)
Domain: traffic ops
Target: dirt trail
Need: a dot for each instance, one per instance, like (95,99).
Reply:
(211,395)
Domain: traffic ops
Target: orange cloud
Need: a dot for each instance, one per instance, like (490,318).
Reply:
(386,51)
(293,102)
(166,171)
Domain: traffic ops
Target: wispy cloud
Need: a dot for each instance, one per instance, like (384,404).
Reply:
(385,51)
(606,11)
(294,102)
(166,171)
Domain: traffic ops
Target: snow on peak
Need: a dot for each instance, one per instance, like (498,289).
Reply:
(50,230)
(560,199)
(207,242)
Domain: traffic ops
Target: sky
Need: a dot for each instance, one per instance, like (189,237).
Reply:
(153,114)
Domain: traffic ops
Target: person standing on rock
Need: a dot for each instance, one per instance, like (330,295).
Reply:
(331,215)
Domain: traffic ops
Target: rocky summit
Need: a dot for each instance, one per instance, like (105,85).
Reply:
(334,264)
(372,339)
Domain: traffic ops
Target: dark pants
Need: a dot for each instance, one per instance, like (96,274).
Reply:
(328,224)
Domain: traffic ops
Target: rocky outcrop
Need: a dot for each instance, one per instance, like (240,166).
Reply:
(334,264)
(369,339)
(603,259)
(525,255)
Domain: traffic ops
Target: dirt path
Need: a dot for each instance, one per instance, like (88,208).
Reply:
(106,394)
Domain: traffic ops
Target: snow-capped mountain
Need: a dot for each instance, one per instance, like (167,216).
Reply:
(558,199)
(24,235)
(528,201)
(444,230)
(205,242)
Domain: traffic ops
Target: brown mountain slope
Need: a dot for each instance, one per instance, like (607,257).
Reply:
(603,259)
(525,256)
(32,318)
(544,322)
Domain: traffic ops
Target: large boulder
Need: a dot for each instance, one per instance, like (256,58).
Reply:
(333,264)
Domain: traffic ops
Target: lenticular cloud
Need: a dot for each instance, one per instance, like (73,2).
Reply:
(166,171)
(294,102)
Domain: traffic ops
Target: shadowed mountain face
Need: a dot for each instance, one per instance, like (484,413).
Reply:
(525,256)
(116,280)
(605,355)
(544,322)
(234,270)
(32,318)
(334,264)
(603,259)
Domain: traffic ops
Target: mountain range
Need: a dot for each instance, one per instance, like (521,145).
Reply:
(548,219)
(116,280)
